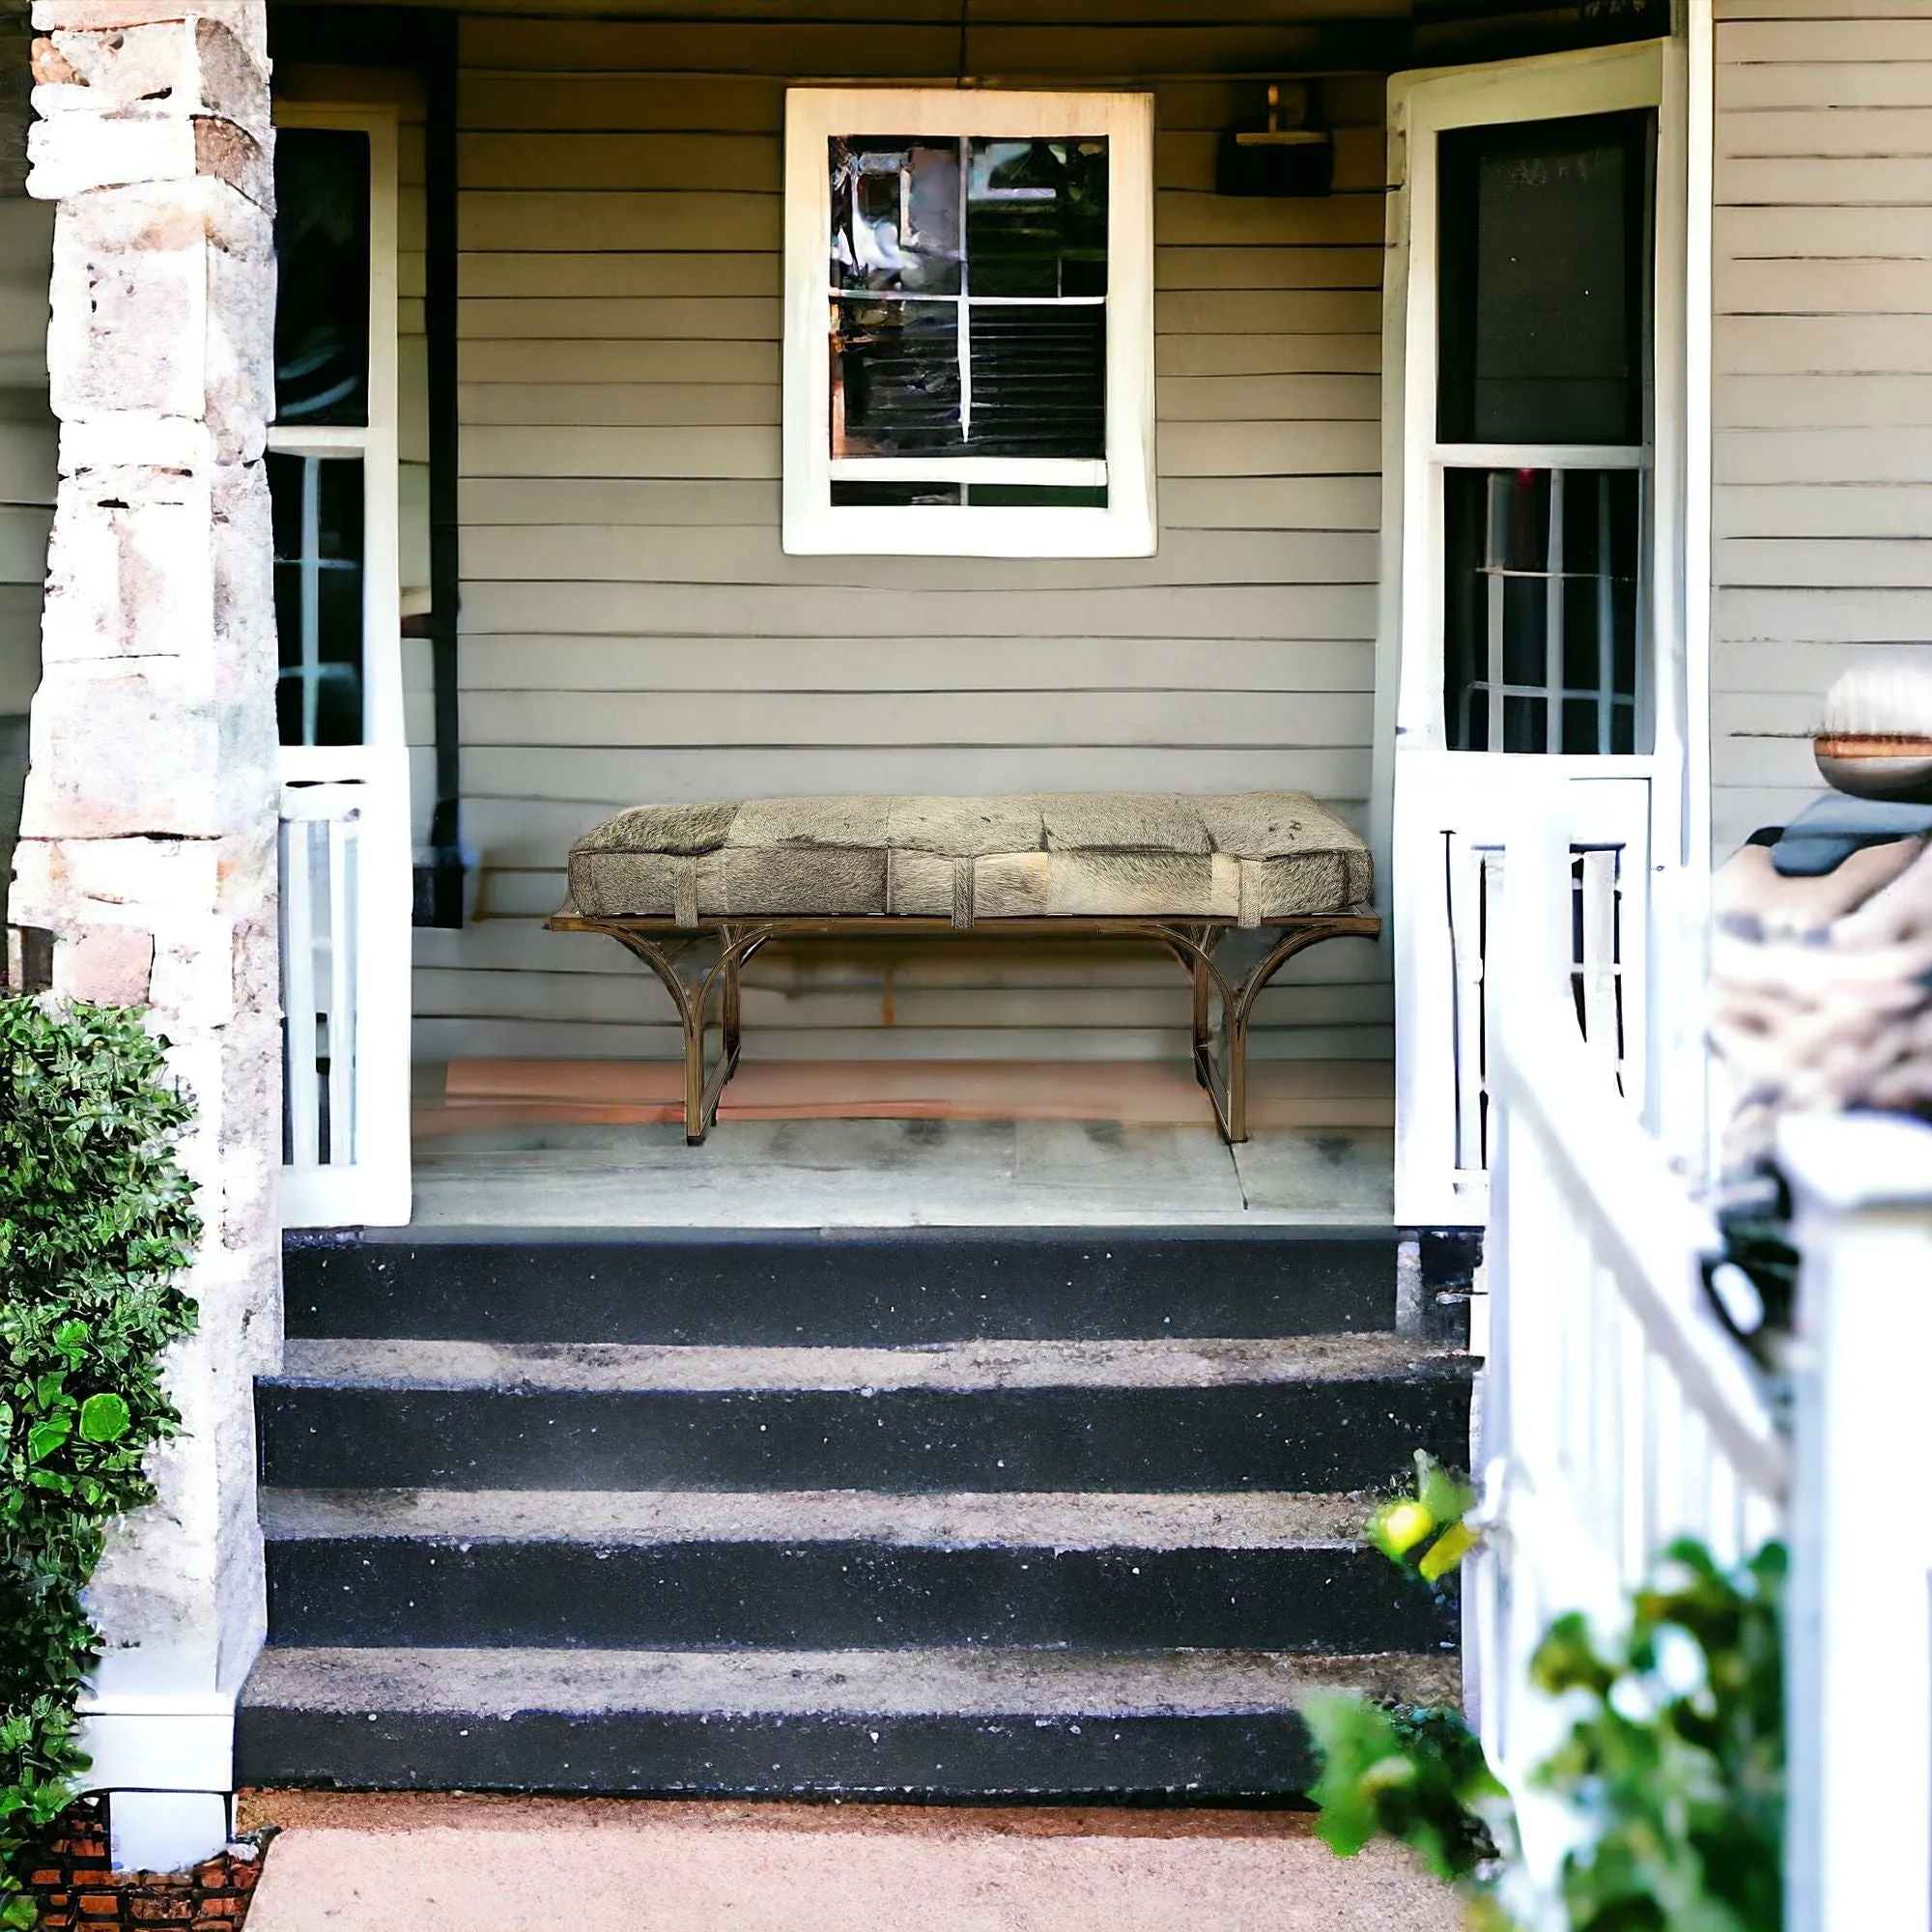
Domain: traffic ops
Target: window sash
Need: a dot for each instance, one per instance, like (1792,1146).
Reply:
(814,524)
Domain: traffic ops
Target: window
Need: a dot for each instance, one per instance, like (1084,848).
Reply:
(968,324)
(1541,422)
(334,479)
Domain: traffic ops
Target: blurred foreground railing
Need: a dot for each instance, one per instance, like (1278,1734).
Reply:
(1617,1413)
(1860,1637)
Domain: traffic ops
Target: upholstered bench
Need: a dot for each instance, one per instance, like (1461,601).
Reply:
(1179,871)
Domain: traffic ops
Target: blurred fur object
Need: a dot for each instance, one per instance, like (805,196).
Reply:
(1822,989)
(1875,739)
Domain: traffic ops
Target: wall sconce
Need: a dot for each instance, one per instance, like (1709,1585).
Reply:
(1293,153)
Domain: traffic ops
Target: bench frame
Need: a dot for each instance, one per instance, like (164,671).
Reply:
(662,943)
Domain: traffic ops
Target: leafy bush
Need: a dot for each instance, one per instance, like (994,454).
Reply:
(1673,1766)
(96,1225)
(1401,1771)
(1676,1760)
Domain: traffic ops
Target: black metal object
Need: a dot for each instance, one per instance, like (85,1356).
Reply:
(441,880)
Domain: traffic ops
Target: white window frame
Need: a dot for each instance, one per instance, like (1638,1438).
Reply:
(374,442)
(813,526)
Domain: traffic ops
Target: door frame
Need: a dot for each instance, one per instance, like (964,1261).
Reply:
(360,795)
(1408,666)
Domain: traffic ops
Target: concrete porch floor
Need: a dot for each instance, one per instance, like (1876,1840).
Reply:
(524,1144)
(346,1863)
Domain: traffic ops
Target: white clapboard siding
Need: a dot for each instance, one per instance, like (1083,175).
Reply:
(1822,366)
(633,629)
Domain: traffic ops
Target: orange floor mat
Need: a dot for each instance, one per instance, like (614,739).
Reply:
(481,1093)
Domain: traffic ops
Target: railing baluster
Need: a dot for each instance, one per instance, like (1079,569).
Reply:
(299,1010)
(342,848)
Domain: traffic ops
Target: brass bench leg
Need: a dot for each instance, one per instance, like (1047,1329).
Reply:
(1240,1006)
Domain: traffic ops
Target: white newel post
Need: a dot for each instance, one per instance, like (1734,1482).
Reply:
(1860,1636)
(148,842)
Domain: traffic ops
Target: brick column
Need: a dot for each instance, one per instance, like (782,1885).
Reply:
(147,847)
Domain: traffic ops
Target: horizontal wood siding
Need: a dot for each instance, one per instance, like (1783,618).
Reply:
(632,630)
(1823,375)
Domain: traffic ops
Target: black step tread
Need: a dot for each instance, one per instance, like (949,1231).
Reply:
(924,1724)
(838,1288)
(702,1571)
(1307,1414)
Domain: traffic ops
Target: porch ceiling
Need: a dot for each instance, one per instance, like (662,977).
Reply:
(987,42)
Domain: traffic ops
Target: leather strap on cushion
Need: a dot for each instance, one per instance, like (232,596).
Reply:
(684,892)
(1250,913)
(962,893)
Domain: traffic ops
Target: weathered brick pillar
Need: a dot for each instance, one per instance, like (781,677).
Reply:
(148,839)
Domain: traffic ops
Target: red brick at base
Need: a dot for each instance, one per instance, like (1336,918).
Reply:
(69,1879)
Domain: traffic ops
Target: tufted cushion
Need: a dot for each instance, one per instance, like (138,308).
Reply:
(1252,856)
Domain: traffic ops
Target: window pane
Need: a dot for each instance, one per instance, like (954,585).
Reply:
(316,506)
(895,495)
(1036,217)
(1040,380)
(1544,238)
(895,213)
(895,378)
(1038,496)
(321,275)
(1540,609)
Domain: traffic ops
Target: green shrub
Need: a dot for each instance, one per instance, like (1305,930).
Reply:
(95,1224)
(1673,1766)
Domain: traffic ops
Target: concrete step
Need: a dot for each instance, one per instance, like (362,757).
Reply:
(836,1570)
(867,1287)
(932,1724)
(1293,1413)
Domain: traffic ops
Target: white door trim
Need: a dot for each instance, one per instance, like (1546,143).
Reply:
(1408,682)
(347,922)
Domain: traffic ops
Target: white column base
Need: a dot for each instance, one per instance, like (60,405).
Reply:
(167,1765)
(165,1831)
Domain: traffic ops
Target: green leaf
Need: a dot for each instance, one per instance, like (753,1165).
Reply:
(1444,1553)
(1445,1496)
(104,1418)
(47,1434)
(1397,1527)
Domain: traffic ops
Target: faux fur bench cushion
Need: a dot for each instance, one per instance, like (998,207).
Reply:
(1252,856)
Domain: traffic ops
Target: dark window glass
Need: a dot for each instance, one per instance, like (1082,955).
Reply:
(1540,628)
(895,495)
(318,526)
(968,316)
(321,275)
(1545,239)
(1036,217)
(895,388)
(1039,381)
(1039,496)
(896,214)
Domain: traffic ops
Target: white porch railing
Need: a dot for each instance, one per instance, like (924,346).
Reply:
(1860,1637)
(1617,1414)
(345,938)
